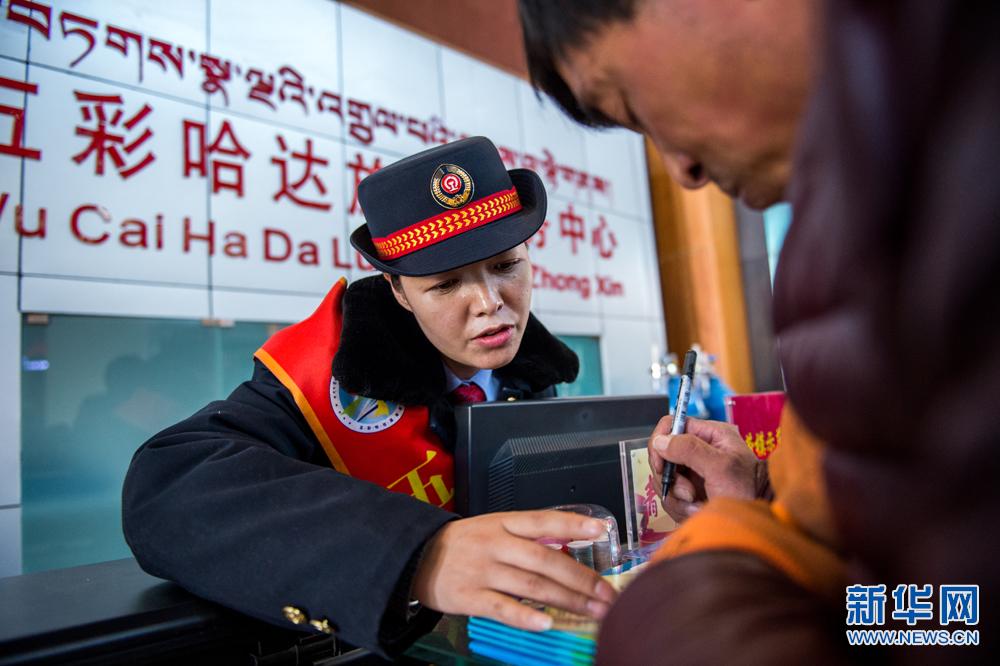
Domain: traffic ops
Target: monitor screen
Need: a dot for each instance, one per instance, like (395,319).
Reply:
(532,454)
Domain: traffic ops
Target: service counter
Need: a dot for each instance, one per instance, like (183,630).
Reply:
(115,613)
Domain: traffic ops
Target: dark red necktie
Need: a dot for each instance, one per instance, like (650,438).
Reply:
(467,394)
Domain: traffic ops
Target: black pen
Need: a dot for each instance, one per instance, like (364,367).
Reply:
(680,415)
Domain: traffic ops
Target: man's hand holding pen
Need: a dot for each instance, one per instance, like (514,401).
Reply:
(713,461)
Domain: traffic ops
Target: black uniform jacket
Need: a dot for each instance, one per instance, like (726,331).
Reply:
(240,505)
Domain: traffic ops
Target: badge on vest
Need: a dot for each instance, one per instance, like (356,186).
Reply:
(361,414)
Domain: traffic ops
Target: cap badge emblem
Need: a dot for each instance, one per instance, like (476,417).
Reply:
(451,186)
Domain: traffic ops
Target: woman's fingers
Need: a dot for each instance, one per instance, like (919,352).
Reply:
(554,524)
(559,568)
(539,587)
(506,609)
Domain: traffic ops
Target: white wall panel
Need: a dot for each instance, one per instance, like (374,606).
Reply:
(63,296)
(10,166)
(651,260)
(81,44)
(480,100)
(385,93)
(626,281)
(263,307)
(610,155)
(394,70)
(110,199)
(567,324)
(13,36)
(276,78)
(637,148)
(565,264)
(627,352)
(398,93)
(548,133)
(279,237)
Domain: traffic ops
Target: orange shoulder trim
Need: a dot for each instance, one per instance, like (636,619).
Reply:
(297,350)
(307,411)
(763,530)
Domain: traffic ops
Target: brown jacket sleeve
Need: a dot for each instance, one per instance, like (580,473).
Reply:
(719,607)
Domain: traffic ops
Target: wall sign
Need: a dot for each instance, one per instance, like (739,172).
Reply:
(155,157)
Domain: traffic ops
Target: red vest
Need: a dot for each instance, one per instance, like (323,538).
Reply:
(383,442)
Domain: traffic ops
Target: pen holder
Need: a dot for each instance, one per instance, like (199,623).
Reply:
(599,554)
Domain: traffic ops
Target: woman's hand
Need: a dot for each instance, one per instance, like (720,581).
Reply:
(718,462)
(477,566)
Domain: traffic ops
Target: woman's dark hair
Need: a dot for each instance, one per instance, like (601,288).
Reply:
(551,28)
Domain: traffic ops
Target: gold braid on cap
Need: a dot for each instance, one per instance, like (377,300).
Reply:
(442,227)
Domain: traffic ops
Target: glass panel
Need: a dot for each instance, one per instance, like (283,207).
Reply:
(590,380)
(93,389)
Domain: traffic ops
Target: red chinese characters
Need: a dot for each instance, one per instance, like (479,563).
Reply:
(365,122)
(113,136)
(571,226)
(574,227)
(227,153)
(361,171)
(602,238)
(289,188)
(15,146)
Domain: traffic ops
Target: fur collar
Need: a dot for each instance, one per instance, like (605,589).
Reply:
(383,353)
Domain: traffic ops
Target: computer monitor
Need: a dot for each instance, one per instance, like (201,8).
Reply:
(531,454)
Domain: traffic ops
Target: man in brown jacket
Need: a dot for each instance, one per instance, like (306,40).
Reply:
(884,300)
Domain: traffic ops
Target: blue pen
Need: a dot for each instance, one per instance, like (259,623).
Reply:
(680,416)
